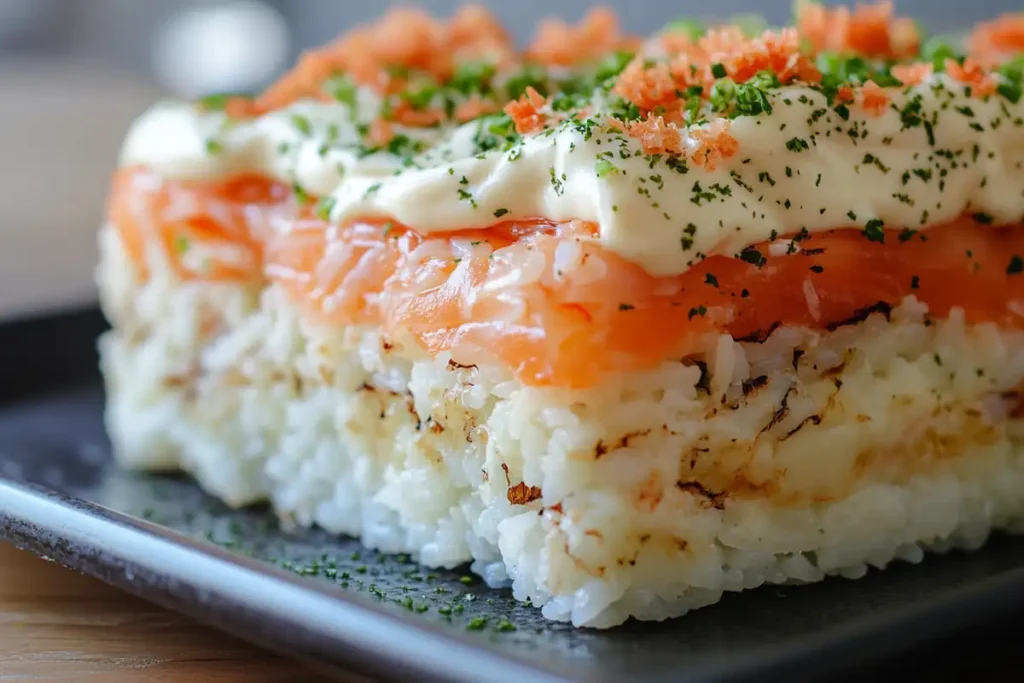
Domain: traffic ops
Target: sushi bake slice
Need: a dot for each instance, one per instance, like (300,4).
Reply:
(624,323)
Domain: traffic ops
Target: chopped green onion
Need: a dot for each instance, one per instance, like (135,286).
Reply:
(324,207)
(604,167)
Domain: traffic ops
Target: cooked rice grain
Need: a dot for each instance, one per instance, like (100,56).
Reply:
(808,455)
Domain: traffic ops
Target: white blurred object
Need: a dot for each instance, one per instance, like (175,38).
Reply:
(227,47)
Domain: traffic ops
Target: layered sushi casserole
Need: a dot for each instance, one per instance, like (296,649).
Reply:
(625,323)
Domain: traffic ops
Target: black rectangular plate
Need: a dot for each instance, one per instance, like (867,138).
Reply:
(345,609)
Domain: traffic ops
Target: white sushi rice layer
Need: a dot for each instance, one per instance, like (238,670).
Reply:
(811,454)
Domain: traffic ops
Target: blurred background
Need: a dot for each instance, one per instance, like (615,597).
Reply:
(74,73)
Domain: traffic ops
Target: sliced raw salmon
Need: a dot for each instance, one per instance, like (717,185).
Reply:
(547,299)
(207,231)
(559,309)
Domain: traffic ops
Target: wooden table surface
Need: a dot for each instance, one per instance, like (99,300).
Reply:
(59,626)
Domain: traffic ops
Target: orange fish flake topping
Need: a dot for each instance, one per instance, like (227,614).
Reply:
(473,108)
(743,58)
(993,42)
(406,38)
(418,118)
(475,33)
(714,143)
(674,43)
(525,112)
(867,30)
(559,44)
(651,88)
(971,73)
(874,98)
(408,51)
(656,136)
(657,87)
(913,73)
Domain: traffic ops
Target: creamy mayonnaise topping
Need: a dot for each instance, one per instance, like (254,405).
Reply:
(801,167)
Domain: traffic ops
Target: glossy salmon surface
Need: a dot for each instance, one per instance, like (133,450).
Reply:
(546,299)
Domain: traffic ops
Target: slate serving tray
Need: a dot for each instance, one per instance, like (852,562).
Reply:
(348,610)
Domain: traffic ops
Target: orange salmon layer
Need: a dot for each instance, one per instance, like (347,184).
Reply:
(545,298)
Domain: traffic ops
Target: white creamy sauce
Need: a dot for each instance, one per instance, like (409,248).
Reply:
(800,167)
